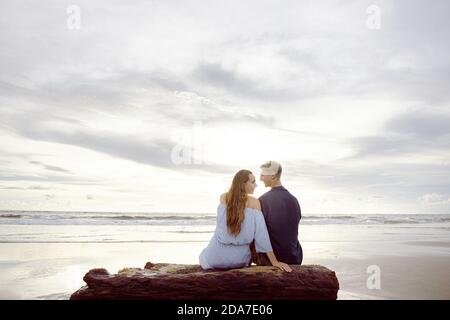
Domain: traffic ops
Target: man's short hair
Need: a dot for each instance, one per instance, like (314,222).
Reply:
(273,167)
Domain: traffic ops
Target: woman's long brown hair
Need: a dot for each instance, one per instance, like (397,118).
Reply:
(236,199)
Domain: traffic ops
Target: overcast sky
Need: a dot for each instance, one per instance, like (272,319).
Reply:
(152,106)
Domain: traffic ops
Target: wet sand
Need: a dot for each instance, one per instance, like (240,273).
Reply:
(409,269)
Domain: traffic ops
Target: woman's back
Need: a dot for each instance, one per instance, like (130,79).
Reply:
(226,250)
(248,226)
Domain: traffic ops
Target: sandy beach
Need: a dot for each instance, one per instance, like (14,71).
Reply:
(55,270)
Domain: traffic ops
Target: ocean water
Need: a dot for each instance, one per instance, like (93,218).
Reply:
(195,219)
(60,227)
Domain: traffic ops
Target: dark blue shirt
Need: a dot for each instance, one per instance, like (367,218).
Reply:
(282,213)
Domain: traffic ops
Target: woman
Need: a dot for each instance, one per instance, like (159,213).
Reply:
(239,222)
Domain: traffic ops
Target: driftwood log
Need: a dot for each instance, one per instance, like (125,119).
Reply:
(190,282)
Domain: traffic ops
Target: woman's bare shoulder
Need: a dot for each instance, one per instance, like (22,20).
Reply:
(222,197)
(253,203)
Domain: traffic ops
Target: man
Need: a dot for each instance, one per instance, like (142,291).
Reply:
(282,213)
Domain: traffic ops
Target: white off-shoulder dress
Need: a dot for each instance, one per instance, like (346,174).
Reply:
(226,251)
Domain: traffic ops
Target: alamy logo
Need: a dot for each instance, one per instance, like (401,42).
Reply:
(190,146)
(74,18)
(374,20)
(374,280)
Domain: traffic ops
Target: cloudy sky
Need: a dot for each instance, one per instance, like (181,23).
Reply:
(152,106)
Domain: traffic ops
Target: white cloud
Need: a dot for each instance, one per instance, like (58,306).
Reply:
(434,199)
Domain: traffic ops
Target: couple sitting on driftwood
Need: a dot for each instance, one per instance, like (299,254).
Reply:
(263,231)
